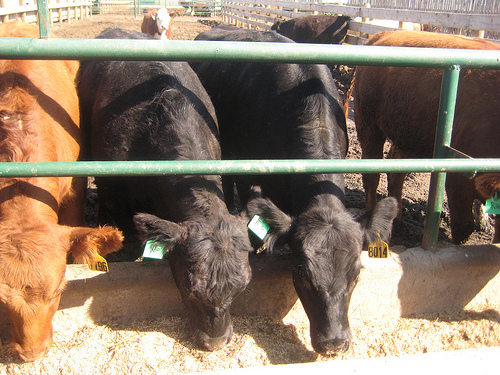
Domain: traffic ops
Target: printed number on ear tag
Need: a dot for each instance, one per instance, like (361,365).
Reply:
(99,264)
(378,249)
(259,226)
(492,206)
(153,250)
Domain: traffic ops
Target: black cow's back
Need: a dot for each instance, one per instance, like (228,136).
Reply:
(145,110)
(276,111)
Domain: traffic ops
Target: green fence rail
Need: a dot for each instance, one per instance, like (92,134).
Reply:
(191,50)
(451,60)
(197,167)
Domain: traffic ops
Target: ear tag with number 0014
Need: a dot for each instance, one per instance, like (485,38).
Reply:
(99,264)
(153,250)
(378,248)
(492,206)
(259,226)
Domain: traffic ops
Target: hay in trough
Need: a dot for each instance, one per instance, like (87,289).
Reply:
(164,345)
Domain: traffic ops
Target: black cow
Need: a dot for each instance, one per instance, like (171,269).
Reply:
(314,29)
(277,111)
(154,111)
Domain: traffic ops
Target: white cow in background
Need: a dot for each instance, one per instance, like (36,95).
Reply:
(158,23)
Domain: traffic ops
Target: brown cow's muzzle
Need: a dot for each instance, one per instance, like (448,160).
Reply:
(29,353)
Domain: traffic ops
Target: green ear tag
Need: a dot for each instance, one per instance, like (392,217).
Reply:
(153,250)
(258,226)
(378,248)
(492,206)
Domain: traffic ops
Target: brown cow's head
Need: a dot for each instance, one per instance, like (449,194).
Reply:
(32,270)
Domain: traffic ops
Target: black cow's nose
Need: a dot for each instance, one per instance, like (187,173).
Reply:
(206,342)
(331,346)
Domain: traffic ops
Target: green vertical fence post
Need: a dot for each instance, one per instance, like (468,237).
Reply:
(449,88)
(44,18)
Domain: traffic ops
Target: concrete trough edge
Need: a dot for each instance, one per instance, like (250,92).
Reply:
(413,281)
(482,361)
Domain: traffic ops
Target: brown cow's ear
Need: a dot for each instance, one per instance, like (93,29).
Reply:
(85,243)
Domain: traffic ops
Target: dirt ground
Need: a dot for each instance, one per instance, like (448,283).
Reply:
(163,345)
(408,233)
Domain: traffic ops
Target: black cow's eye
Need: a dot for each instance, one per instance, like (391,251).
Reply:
(299,270)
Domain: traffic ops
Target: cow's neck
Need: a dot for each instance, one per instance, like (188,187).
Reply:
(307,188)
(198,197)
(29,198)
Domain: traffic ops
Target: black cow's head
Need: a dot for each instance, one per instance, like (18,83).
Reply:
(209,262)
(326,244)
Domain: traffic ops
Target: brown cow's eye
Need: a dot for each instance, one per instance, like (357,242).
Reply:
(59,290)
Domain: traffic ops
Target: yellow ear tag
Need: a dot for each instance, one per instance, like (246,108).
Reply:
(99,264)
(378,248)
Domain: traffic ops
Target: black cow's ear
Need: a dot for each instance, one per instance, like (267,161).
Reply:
(153,228)
(279,223)
(379,221)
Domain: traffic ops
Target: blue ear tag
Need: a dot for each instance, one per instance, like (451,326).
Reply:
(153,250)
(492,206)
(258,226)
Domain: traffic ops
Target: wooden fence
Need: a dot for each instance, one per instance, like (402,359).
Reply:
(365,20)
(450,6)
(59,11)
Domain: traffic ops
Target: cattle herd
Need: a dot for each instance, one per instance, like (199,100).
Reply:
(158,110)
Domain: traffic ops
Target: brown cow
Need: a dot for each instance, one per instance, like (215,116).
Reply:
(39,122)
(401,104)
(157,23)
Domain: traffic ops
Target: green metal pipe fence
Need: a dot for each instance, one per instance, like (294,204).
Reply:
(442,143)
(193,50)
(197,167)
(451,60)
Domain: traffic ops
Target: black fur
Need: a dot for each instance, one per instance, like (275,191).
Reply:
(136,110)
(292,111)
(323,28)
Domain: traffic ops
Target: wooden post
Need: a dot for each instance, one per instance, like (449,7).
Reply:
(477,33)
(365,20)
(5,18)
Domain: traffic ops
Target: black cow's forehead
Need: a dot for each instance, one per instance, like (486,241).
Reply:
(327,234)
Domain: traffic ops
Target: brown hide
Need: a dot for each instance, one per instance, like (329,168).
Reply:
(401,104)
(149,25)
(39,122)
